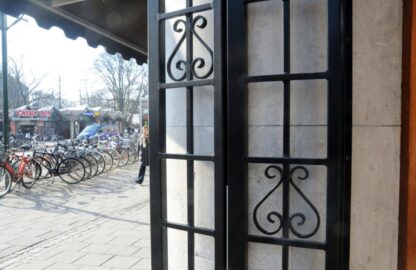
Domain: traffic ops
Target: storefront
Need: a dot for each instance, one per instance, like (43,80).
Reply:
(44,121)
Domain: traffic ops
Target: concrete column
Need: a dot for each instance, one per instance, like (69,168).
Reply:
(377,43)
(72,129)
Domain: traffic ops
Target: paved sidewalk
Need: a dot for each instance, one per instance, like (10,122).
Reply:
(102,223)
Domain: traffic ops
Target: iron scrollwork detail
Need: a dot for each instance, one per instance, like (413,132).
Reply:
(271,216)
(195,65)
(300,216)
(180,64)
(294,220)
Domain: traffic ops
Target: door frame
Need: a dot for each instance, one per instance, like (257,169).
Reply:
(407,218)
(161,79)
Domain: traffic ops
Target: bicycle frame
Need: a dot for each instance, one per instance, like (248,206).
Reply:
(18,174)
(9,168)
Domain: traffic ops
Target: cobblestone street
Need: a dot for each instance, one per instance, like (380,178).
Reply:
(102,223)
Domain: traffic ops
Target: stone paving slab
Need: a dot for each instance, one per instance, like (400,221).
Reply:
(102,223)
(122,262)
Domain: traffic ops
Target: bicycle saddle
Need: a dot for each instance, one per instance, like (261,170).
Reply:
(26,147)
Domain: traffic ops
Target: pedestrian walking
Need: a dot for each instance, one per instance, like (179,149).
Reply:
(144,153)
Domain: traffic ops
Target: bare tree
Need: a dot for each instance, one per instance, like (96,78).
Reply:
(98,99)
(21,86)
(45,98)
(124,80)
(143,89)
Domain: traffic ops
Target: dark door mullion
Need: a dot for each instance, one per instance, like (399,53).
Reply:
(220,204)
(236,27)
(190,138)
(286,132)
(157,137)
(339,134)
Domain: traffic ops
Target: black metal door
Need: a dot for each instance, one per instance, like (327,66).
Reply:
(288,206)
(284,213)
(177,36)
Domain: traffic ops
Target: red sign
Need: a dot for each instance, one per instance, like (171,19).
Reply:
(29,115)
(32,113)
(45,114)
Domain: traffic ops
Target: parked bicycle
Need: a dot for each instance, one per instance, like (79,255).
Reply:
(18,169)
(72,161)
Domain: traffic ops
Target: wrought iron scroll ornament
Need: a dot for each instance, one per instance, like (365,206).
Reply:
(196,65)
(180,64)
(302,174)
(295,220)
(272,216)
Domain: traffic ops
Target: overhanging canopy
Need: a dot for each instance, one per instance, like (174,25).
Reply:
(118,25)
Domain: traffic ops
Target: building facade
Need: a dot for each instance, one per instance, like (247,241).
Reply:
(36,121)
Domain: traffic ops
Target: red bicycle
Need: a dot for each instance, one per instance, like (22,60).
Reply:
(18,169)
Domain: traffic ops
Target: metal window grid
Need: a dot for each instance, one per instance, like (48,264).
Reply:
(158,75)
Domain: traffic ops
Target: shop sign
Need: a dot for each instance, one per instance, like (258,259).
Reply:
(31,115)
(93,114)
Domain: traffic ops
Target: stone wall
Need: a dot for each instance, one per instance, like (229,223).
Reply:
(377,43)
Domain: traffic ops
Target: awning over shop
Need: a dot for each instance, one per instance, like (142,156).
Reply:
(120,26)
(100,113)
(125,117)
(73,113)
(114,116)
(97,113)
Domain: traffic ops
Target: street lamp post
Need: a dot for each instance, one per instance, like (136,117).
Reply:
(6,138)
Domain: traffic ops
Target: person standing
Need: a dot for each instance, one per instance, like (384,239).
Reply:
(144,154)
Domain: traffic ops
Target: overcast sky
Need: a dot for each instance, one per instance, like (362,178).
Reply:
(50,53)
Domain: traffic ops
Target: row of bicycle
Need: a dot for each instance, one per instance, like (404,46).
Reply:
(70,161)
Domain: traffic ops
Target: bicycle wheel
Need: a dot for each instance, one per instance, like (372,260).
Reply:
(108,160)
(53,159)
(31,173)
(116,158)
(88,167)
(132,155)
(94,164)
(101,162)
(136,155)
(71,170)
(5,181)
(124,156)
(46,167)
